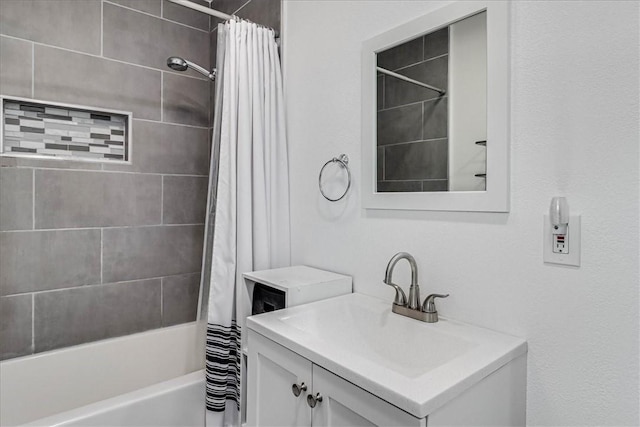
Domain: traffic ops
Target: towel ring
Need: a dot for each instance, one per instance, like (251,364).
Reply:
(343,160)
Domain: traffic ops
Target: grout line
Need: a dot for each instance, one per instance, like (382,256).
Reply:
(162,96)
(415,180)
(102,28)
(162,200)
(412,103)
(240,8)
(171,123)
(94,285)
(414,142)
(111,171)
(101,255)
(33,322)
(161,9)
(33,70)
(155,16)
(110,227)
(422,119)
(146,67)
(33,200)
(420,62)
(162,301)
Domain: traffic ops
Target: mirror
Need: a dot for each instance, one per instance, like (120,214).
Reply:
(435,111)
(431,97)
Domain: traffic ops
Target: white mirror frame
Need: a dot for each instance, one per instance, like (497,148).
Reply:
(496,196)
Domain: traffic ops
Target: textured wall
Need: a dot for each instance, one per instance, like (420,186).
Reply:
(91,251)
(574,127)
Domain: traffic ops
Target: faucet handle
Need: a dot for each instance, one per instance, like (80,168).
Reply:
(429,305)
(401,297)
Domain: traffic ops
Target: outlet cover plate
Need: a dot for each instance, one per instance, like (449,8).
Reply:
(574,235)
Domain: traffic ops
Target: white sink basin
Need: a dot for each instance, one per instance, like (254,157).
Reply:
(371,331)
(416,366)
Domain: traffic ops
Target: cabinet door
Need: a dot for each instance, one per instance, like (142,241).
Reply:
(272,372)
(345,404)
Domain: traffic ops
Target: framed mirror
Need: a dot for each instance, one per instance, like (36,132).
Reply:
(435,111)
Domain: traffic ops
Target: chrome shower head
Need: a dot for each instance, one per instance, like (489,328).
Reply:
(177,64)
(180,64)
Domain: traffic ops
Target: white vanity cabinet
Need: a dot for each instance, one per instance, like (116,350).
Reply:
(274,369)
(372,367)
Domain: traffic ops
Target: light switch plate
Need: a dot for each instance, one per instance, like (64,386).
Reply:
(573,236)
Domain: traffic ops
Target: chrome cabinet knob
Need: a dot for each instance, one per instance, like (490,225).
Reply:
(312,400)
(297,389)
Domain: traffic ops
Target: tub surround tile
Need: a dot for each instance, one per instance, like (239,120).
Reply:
(436,43)
(15,58)
(433,72)
(75,316)
(43,260)
(133,37)
(228,6)
(184,199)
(186,16)
(180,298)
(399,186)
(400,124)
(264,12)
(16,199)
(185,100)
(167,148)
(403,55)
(24,162)
(435,185)
(152,7)
(435,119)
(71,199)
(94,80)
(15,326)
(134,253)
(417,160)
(70,24)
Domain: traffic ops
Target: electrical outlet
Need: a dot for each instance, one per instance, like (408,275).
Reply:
(562,249)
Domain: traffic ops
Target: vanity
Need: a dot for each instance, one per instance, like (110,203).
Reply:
(351,361)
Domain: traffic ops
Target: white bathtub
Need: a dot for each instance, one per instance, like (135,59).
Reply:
(112,371)
(175,403)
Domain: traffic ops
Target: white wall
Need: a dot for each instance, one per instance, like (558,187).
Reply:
(574,133)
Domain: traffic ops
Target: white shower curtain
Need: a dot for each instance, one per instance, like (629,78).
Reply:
(251,200)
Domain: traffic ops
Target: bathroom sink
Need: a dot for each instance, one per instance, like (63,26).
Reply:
(366,328)
(416,366)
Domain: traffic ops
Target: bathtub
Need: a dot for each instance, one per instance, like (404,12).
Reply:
(158,373)
(175,403)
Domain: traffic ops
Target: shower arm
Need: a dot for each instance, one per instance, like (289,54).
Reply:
(211,74)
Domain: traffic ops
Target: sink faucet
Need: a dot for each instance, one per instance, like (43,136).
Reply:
(427,311)
(414,289)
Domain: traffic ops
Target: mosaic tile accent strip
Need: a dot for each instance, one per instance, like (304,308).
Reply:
(37,129)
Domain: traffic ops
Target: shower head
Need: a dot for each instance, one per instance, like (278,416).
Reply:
(177,64)
(180,64)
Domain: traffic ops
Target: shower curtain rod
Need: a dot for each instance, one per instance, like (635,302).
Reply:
(407,79)
(211,12)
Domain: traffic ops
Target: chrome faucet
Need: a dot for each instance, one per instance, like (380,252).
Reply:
(427,311)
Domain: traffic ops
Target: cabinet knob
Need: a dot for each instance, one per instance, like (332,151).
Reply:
(297,389)
(312,400)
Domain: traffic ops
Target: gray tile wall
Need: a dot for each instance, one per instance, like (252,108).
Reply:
(412,122)
(91,251)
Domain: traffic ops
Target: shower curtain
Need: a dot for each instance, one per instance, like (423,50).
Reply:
(248,213)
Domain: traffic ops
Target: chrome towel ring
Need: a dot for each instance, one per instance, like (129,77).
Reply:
(343,160)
